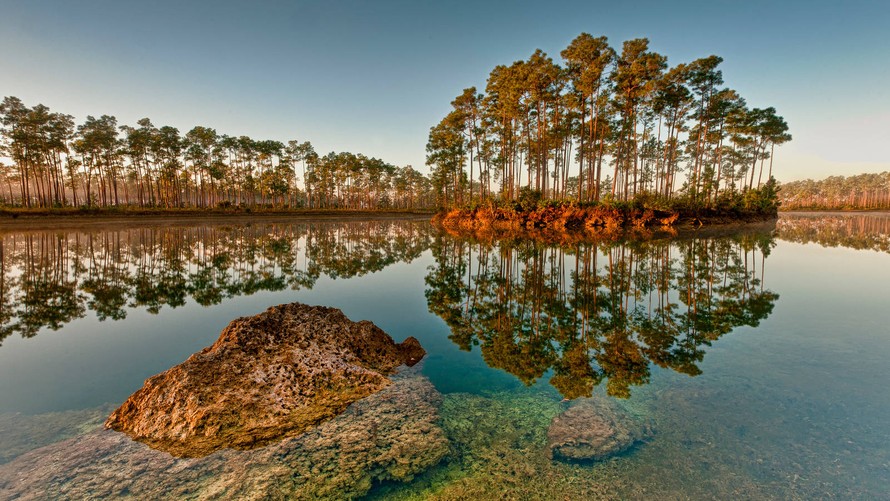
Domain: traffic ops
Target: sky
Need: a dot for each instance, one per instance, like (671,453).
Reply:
(372,77)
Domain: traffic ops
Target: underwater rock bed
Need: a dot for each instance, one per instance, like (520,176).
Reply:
(391,435)
(500,450)
(20,433)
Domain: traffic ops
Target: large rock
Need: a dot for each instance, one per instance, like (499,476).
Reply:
(390,435)
(593,429)
(267,377)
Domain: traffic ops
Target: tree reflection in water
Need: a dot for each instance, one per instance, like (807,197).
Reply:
(49,278)
(592,312)
(600,311)
(861,231)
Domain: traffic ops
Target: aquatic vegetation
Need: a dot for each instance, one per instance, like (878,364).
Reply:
(500,450)
(572,217)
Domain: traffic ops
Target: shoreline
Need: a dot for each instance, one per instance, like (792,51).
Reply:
(563,237)
(572,218)
(54,218)
(571,224)
(550,223)
(22,212)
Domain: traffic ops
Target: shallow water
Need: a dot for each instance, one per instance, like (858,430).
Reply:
(757,358)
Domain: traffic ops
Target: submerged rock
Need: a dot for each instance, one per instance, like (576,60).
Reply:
(390,435)
(593,429)
(20,433)
(267,377)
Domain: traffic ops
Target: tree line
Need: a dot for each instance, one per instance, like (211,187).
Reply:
(606,124)
(56,163)
(863,191)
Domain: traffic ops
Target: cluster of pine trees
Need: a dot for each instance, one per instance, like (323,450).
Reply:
(98,163)
(864,191)
(604,125)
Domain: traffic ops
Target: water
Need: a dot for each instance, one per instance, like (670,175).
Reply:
(756,358)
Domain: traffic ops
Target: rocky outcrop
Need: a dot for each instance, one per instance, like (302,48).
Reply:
(593,429)
(391,435)
(267,377)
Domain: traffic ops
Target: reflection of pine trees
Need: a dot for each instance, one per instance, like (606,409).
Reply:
(53,298)
(598,311)
(49,278)
(854,231)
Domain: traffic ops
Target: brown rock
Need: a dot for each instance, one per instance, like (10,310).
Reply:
(267,377)
(592,429)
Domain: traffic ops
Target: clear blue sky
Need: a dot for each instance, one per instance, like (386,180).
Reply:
(373,76)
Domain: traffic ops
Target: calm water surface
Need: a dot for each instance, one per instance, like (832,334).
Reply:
(758,356)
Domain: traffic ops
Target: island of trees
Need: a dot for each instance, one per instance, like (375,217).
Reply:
(101,164)
(605,127)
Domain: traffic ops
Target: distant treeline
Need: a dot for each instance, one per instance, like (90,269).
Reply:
(98,163)
(865,191)
(606,124)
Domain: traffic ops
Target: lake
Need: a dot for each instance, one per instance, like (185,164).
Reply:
(753,360)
